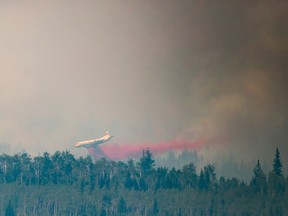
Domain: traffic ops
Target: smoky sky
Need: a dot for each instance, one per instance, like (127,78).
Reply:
(147,71)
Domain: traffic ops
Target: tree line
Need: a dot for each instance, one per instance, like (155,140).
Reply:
(61,184)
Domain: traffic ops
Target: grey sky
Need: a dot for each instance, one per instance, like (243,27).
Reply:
(145,70)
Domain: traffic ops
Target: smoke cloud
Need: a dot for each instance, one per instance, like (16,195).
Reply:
(146,71)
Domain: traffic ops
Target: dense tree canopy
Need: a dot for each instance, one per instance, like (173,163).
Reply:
(61,184)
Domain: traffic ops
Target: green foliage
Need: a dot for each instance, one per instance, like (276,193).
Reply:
(106,201)
(121,207)
(59,184)
(173,180)
(276,184)
(277,164)
(189,175)
(276,180)
(155,209)
(9,211)
(161,178)
(202,183)
(103,212)
(258,181)
(210,176)
(146,162)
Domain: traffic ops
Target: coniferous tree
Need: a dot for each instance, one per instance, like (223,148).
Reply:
(189,175)
(161,175)
(277,164)
(173,179)
(276,180)
(147,162)
(259,179)
(210,176)
(59,188)
(202,183)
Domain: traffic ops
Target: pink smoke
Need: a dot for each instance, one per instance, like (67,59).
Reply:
(123,151)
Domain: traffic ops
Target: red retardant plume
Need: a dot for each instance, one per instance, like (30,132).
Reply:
(124,151)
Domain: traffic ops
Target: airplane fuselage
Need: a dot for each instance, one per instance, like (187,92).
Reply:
(93,142)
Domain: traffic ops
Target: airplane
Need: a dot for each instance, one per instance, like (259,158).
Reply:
(93,145)
(94,142)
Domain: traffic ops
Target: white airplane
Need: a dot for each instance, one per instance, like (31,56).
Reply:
(94,142)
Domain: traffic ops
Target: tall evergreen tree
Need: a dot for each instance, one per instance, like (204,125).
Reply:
(210,176)
(147,162)
(259,179)
(189,175)
(277,164)
(202,184)
(276,180)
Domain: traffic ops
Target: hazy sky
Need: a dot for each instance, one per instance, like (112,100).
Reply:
(146,71)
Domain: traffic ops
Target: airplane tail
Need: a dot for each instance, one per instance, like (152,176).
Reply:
(107,133)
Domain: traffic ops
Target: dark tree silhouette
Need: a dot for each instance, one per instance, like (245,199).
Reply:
(202,184)
(277,164)
(146,162)
(258,181)
(189,175)
(63,185)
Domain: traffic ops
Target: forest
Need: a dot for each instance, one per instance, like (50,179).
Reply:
(61,184)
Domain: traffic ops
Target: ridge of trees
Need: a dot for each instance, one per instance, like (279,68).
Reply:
(115,179)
